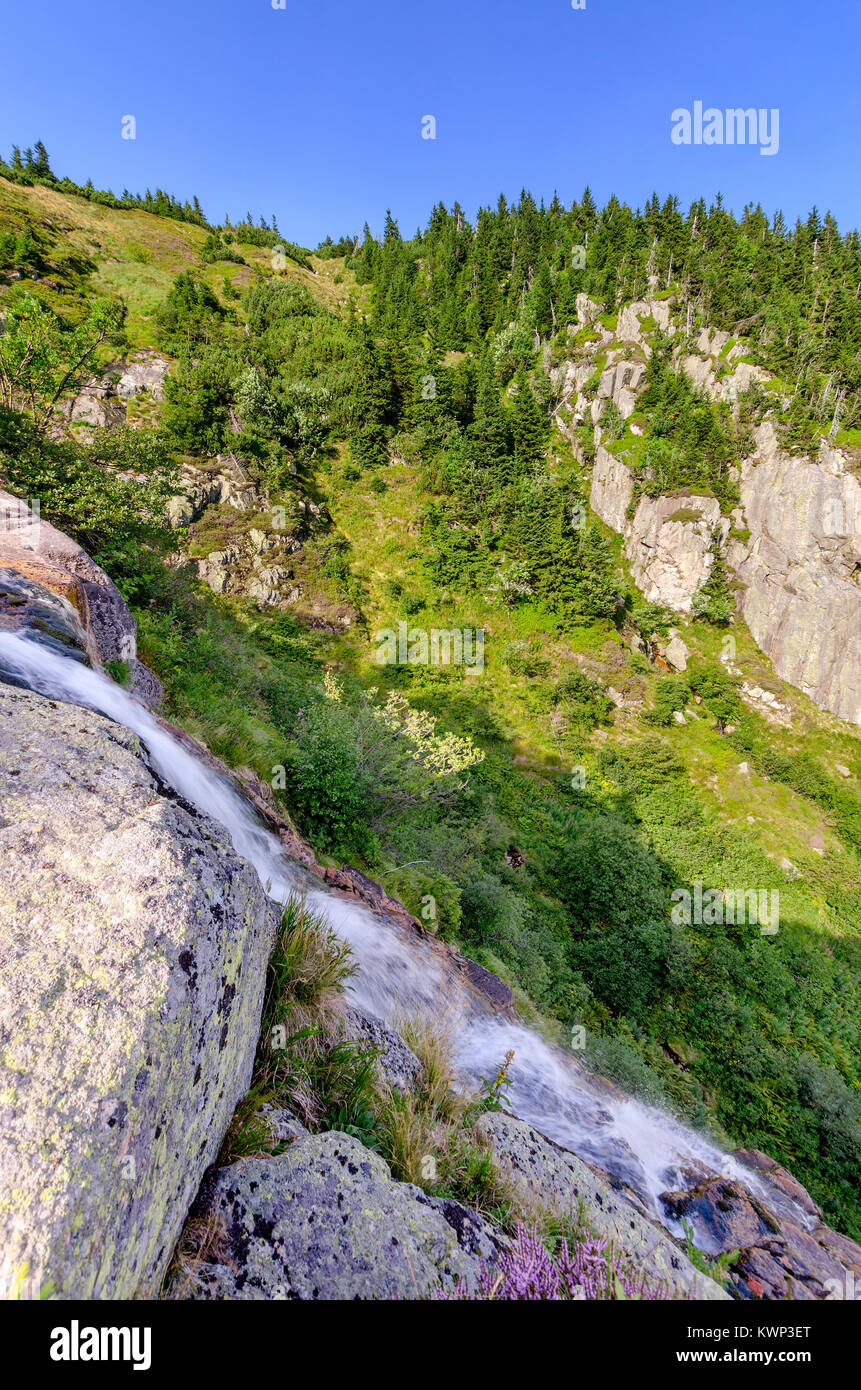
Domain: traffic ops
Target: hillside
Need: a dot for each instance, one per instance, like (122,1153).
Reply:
(292,464)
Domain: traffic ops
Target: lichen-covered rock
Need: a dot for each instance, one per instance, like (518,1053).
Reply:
(326,1220)
(778,1177)
(133,950)
(549,1175)
(398,1066)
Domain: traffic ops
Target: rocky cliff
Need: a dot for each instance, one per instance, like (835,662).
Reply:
(798,572)
(792,546)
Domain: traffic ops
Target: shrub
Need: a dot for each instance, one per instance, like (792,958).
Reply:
(612,885)
(583,700)
(672,694)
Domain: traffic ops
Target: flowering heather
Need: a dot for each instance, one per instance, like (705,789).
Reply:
(526,1272)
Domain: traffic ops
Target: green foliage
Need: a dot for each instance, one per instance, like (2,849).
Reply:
(612,887)
(690,442)
(36,168)
(718,692)
(42,358)
(110,496)
(189,316)
(217,248)
(445,374)
(198,396)
(712,602)
(672,694)
(583,701)
(351,770)
(717,1268)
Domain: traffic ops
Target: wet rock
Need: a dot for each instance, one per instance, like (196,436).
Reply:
(145,686)
(326,1221)
(31,546)
(777,1258)
(723,1215)
(558,1180)
(49,618)
(487,983)
(779,1178)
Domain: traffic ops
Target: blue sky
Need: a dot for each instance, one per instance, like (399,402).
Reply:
(314,111)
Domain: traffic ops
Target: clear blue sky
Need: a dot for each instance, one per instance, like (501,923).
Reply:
(314,112)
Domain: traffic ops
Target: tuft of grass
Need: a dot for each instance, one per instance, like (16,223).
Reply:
(304,1063)
(428,1134)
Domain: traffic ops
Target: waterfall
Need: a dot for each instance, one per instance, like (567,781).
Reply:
(643,1146)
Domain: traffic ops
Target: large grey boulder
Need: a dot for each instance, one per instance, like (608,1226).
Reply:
(133,952)
(554,1178)
(326,1220)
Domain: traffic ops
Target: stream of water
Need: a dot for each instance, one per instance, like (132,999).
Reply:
(397,975)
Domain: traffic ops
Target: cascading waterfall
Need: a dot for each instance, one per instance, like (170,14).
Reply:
(644,1147)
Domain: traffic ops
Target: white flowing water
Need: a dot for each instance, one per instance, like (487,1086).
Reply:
(640,1145)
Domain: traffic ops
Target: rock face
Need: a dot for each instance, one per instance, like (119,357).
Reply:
(796,551)
(223,482)
(36,551)
(629,328)
(669,541)
(612,489)
(326,1220)
(799,571)
(144,371)
(559,1181)
(101,403)
(777,1259)
(133,950)
(670,544)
